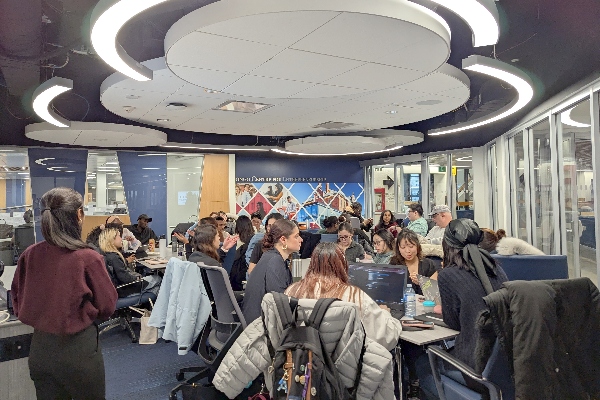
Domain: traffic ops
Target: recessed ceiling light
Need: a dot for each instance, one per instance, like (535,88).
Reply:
(505,72)
(108,17)
(428,102)
(391,112)
(132,97)
(211,91)
(163,120)
(175,106)
(480,15)
(242,106)
(43,96)
(387,149)
(514,60)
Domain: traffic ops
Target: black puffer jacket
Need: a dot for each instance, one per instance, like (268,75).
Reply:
(550,329)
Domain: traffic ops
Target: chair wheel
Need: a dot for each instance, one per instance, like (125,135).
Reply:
(179,376)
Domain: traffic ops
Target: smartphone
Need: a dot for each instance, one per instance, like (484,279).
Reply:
(417,324)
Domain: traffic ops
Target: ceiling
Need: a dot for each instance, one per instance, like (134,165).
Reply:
(358,79)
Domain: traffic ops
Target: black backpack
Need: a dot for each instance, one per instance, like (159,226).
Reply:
(301,367)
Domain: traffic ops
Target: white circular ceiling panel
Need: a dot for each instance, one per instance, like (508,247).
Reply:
(197,110)
(308,49)
(96,134)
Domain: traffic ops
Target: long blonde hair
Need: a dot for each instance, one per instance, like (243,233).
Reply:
(326,277)
(106,242)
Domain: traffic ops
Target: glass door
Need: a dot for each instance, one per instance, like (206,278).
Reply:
(578,213)
(462,184)
(518,182)
(438,181)
(409,185)
(384,189)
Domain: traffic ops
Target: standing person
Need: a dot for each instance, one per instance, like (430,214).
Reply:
(417,223)
(442,216)
(272,273)
(60,288)
(239,269)
(409,253)
(255,249)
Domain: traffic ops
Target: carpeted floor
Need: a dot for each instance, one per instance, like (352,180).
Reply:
(141,372)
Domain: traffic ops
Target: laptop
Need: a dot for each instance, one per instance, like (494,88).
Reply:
(431,291)
(383,283)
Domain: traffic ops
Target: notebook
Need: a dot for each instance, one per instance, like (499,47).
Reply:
(383,283)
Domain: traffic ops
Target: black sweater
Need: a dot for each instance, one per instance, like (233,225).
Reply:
(462,301)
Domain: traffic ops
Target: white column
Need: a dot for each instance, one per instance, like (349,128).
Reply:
(481,195)
(101,189)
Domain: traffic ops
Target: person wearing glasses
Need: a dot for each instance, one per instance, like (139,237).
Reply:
(383,241)
(352,250)
(417,223)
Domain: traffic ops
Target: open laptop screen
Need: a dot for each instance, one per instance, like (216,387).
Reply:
(383,283)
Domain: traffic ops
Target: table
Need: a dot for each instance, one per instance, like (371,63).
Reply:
(427,336)
(153,267)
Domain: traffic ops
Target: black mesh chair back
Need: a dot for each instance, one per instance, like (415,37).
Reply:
(228,311)
(24,237)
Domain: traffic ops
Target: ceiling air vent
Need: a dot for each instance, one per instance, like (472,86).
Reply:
(334,125)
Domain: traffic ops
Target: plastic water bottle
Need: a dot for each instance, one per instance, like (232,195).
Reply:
(410,302)
(180,251)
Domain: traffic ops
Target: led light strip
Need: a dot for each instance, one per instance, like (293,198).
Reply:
(565,118)
(505,72)
(43,96)
(237,148)
(333,154)
(480,15)
(108,17)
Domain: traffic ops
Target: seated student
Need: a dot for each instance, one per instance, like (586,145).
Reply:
(110,243)
(221,225)
(442,216)
(327,277)
(207,245)
(498,242)
(330,225)
(133,243)
(142,231)
(255,248)
(409,253)
(272,273)
(383,241)
(355,210)
(462,290)
(417,223)
(387,221)
(352,250)
(256,219)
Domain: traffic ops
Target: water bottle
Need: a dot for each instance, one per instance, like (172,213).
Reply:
(410,302)
(180,250)
(173,244)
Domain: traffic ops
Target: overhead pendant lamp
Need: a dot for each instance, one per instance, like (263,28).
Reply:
(500,70)
(43,96)
(481,16)
(108,17)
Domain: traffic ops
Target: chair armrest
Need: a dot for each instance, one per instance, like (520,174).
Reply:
(127,284)
(436,351)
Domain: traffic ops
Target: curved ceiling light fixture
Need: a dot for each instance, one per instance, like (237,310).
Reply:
(43,96)
(565,118)
(108,17)
(481,16)
(282,151)
(505,72)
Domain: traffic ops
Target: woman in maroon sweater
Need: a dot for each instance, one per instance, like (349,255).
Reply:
(60,288)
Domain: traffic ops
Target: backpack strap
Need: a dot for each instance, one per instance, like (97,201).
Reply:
(285,307)
(318,312)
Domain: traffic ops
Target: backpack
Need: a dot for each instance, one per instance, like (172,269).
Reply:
(301,367)
(239,268)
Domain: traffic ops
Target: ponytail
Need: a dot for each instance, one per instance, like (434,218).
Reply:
(281,227)
(60,219)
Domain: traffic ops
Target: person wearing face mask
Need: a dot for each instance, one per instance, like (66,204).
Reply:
(383,241)
(409,253)
(272,273)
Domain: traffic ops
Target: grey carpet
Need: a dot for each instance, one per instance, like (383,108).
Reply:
(141,372)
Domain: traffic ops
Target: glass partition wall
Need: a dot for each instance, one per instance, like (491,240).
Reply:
(462,184)
(408,186)
(104,192)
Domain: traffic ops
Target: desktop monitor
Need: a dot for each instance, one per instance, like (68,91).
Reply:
(383,283)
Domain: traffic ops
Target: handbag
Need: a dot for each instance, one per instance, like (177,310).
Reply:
(148,334)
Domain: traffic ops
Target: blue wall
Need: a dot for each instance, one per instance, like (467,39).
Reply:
(145,185)
(73,165)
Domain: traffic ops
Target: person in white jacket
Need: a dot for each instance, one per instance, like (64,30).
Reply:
(327,277)
(498,242)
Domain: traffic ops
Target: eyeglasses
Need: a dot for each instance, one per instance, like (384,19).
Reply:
(344,237)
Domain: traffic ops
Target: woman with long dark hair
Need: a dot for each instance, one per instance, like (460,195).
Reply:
(60,288)
(206,243)
(384,244)
(387,221)
(327,277)
(272,273)
(410,253)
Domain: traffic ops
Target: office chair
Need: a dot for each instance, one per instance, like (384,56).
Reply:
(24,236)
(329,237)
(496,377)
(533,268)
(123,315)
(224,327)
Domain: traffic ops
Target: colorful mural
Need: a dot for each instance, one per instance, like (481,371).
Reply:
(308,203)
